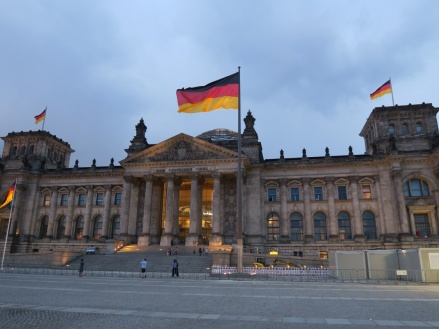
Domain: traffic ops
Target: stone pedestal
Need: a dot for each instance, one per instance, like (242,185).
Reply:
(144,241)
(192,240)
(216,240)
(166,240)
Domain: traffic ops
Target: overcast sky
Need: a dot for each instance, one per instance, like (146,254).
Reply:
(307,68)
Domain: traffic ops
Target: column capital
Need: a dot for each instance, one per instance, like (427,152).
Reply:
(72,188)
(149,177)
(353,179)
(170,177)
(128,179)
(89,187)
(54,188)
(107,187)
(306,180)
(396,173)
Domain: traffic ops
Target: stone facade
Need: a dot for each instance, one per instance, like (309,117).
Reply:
(184,191)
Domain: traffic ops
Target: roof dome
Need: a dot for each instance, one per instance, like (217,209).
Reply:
(219,135)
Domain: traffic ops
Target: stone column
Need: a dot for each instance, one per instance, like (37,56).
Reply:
(309,225)
(132,218)
(16,216)
(69,215)
(217,238)
(382,227)
(193,238)
(332,218)
(357,227)
(87,217)
(107,209)
(52,212)
(176,212)
(284,227)
(403,218)
(167,237)
(145,237)
(126,197)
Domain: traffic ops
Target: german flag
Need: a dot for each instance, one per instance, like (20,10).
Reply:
(40,117)
(9,196)
(220,94)
(381,91)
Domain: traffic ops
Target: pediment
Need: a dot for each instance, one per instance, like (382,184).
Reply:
(341,181)
(271,184)
(181,148)
(294,182)
(366,180)
(317,182)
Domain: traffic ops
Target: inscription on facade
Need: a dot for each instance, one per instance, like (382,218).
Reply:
(181,170)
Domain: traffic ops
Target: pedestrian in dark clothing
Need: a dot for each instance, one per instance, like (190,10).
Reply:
(81,268)
(175,268)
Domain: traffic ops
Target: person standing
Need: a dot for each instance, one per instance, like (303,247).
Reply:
(175,268)
(143,265)
(81,268)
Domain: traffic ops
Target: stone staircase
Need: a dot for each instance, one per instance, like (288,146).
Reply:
(128,259)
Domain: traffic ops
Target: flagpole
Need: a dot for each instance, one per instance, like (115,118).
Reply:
(239,241)
(45,114)
(9,224)
(391,88)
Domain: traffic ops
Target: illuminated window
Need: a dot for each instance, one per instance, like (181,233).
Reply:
(46,200)
(323,255)
(366,190)
(273,226)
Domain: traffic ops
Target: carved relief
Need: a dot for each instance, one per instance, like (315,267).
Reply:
(184,151)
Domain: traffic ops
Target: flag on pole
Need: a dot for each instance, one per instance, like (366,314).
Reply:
(40,117)
(9,196)
(220,94)
(381,91)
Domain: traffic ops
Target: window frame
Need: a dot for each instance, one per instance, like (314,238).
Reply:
(318,196)
(99,199)
(64,199)
(344,195)
(270,196)
(293,195)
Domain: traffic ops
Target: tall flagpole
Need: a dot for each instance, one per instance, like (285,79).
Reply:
(9,224)
(391,88)
(45,114)
(239,241)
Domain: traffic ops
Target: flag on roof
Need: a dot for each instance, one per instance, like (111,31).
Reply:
(219,94)
(40,117)
(381,91)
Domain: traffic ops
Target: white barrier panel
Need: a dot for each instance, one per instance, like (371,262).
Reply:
(280,271)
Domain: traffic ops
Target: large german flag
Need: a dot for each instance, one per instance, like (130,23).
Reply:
(9,196)
(220,94)
(40,117)
(384,89)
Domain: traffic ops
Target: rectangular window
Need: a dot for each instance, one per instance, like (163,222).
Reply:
(118,199)
(64,198)
(271,195)
(366,191)
(318,193)
(99,199)
(81,199)
(295,194)
(46,201)
(342,193)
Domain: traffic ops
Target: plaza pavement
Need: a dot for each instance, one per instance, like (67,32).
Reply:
(54,301)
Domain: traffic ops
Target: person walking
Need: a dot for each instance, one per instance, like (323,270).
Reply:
(143,265)
(175,268)
(81,268)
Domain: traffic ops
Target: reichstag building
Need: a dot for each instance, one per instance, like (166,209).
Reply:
(183,191)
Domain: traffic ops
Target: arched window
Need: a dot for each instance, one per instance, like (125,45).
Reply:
(296,222)
(344,226)
(320,226)
(419,128)
(13,151)
(416,188)
(60,231)
(369,228)
(115,228)
(23,150)
(97,227)
(79,227)
(43,227)
(391,129)
(405,129)
(273,226)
